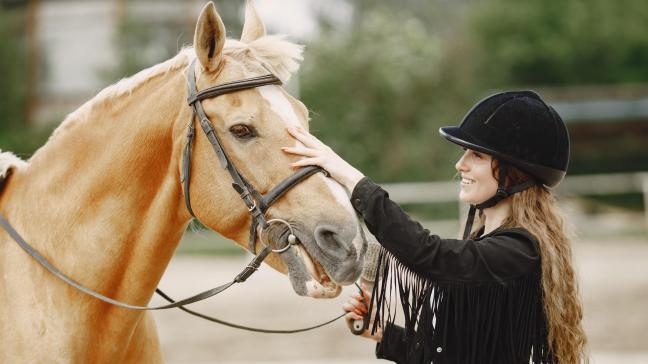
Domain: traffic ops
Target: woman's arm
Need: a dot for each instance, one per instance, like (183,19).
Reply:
(509,254)
(501,255)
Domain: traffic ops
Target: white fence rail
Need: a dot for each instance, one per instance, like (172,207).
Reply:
(593,184)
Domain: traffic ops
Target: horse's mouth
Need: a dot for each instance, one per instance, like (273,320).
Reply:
(320,285)
(307,275)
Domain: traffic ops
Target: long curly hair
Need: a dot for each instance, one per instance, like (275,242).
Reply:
(536,210)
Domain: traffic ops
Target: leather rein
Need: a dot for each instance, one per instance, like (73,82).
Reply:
(256,203)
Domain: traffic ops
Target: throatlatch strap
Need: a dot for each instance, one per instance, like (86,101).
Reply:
(186,166)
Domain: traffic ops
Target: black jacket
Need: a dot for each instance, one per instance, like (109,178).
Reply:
(476,301)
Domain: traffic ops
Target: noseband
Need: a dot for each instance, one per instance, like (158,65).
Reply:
(256,202)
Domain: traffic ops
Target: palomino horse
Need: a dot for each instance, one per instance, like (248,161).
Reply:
(102,200)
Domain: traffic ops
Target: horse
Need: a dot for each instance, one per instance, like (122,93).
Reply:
(102,199)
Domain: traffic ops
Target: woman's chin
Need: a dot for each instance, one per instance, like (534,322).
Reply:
(465,199)
(470,201)
(473,199)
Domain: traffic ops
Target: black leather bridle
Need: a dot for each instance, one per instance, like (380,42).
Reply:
(256,203)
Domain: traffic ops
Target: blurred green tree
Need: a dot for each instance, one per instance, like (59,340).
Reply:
(373,92)
(15,133)
(555,42)
(12,67)
(141,42)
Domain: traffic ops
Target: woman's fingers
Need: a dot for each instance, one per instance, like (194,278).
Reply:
(307,162)
(305,137)
(323,156)
(353,305)
(307,152)
(349,308)
(366,295)
(298,134)
(350,316)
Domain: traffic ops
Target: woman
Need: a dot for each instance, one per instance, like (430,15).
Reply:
(506,291)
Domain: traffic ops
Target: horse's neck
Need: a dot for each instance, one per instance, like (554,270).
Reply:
(102,197)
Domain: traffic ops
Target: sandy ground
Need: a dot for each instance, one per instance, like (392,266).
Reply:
(614,285)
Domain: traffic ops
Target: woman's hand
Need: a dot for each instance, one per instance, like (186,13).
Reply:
(356,308)
(317,153)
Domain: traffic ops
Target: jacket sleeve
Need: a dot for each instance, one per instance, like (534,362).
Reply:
(498,256)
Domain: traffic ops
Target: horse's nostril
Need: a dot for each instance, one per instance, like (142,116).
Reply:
(337,253)
(332,243)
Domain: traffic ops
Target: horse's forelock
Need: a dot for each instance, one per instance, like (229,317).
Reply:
(279,55)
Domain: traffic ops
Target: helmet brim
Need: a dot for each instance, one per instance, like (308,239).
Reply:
(547,176)
(457,136)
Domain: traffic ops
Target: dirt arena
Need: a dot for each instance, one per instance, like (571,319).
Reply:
(614,285)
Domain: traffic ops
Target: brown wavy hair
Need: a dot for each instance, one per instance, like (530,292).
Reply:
(537,211)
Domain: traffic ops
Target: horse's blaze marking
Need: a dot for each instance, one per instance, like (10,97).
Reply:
(283,108)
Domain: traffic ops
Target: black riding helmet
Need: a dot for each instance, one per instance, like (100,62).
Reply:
(516,128)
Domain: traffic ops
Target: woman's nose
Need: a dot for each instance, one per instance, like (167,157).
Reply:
(460,166)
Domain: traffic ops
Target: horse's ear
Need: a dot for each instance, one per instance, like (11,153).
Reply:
(253,27)
(209,38)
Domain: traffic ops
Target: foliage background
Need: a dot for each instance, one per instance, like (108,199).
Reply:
(381,85)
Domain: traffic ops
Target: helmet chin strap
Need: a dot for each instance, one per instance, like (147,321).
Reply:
(502,193)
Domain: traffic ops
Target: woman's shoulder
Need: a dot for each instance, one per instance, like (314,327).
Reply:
(518,233)
(514,250)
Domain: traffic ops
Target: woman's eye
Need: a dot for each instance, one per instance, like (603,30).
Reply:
(477,155)
(242,131)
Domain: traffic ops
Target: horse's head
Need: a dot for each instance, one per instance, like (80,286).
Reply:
(251,125)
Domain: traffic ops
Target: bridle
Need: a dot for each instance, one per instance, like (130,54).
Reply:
(256,203)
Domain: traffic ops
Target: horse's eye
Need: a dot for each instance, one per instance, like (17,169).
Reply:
(242,131)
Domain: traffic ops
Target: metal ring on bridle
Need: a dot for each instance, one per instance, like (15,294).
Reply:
(292,239)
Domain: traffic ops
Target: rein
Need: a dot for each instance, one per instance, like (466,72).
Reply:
(241,277)
(256,203)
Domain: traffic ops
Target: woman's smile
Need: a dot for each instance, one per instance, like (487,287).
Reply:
(477,181)
(466,181)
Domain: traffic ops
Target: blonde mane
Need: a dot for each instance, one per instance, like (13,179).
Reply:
(9,161)
(278,55)
(274,52)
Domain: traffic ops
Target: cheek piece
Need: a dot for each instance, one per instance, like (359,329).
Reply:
(502,193)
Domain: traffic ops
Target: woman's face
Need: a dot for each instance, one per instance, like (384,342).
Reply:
(477,181)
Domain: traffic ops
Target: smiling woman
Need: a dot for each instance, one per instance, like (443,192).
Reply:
(503,293)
